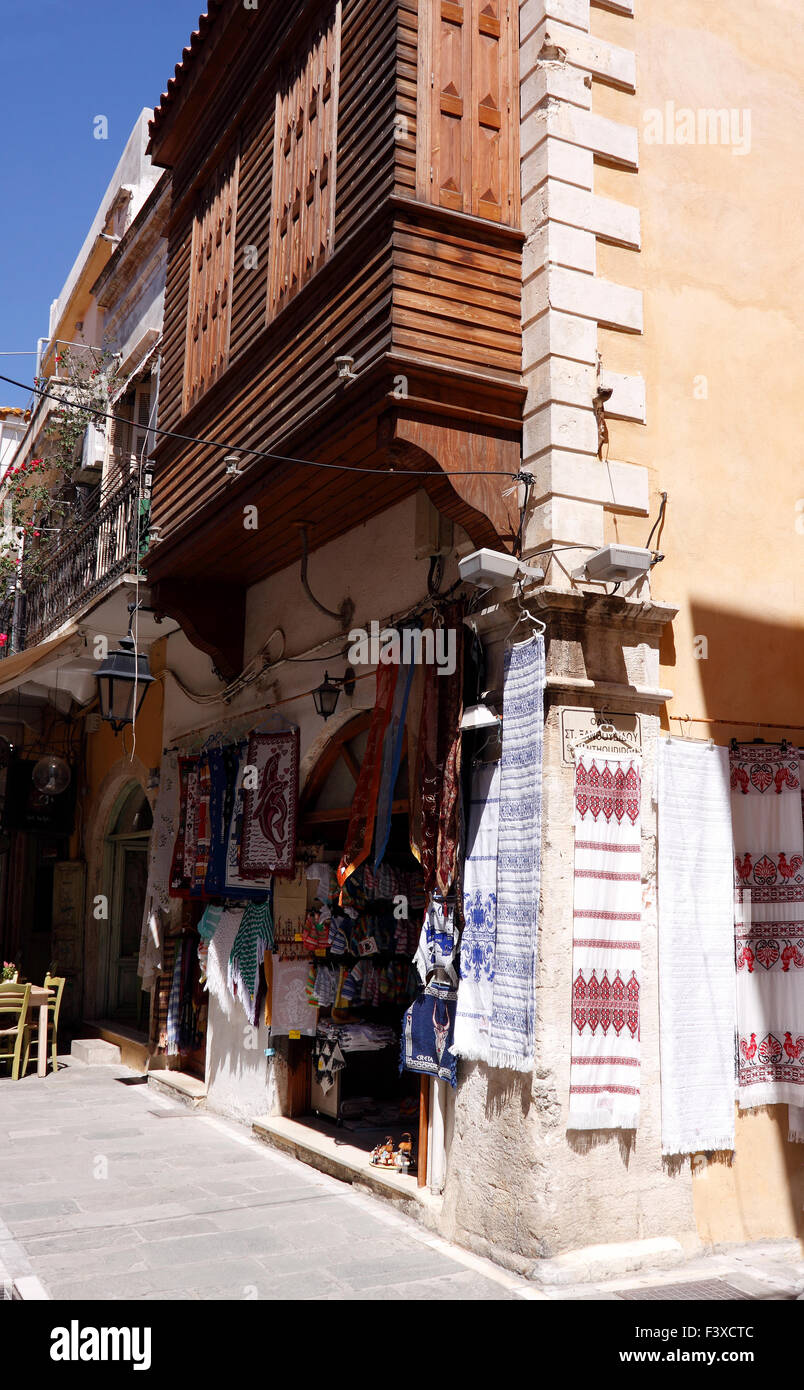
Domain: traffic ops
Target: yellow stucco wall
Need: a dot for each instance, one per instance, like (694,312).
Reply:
(722,355)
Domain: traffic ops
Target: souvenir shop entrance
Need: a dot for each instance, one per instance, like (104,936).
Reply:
(344,1079)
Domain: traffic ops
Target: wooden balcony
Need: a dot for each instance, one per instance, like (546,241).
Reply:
(408,280)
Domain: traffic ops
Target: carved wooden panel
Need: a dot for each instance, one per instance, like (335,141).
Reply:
(468,116)
(305,149)
(211,270)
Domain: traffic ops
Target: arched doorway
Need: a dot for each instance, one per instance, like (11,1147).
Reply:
(126,864)
(326,801)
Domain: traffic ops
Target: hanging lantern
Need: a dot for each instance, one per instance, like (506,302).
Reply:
(326,696)
(123,678)
(51,775)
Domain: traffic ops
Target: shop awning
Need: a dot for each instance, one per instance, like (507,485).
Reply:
(40,663)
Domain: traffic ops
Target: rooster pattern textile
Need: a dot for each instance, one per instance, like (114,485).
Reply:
(696,947)
(518,857)
(428,1032)
(268,845)
(475,992)
(769,923)
(604,1062)
(255,936)
(364,802)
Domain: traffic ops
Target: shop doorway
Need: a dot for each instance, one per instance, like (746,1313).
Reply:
(127,876)
(368,1101)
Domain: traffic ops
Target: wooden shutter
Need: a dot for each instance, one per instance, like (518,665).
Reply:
(468,128)
(211,272)
(303,191)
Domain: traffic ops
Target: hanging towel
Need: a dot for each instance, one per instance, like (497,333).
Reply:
(185,827)
(475,992)
(292,1011)
(769,923)
(364,802)
(220,948)
(255,936)
(427,1034)
(518,857)
(268,843)
(391,758)
(696,948)
(604,1064)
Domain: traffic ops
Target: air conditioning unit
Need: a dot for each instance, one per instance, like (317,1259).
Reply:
(615,563)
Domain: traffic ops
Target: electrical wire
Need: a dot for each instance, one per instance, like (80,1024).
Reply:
(264,453)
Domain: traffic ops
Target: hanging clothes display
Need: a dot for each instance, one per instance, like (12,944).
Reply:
(364,802)
(696,948)
(428,1033)
(438,941)
(475,992)
(255,936)
(769,923)
(518,857)
(605,1056)
(268,837)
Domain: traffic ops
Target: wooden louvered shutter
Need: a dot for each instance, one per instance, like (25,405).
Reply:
(303,192)
(211,272)
(468,135)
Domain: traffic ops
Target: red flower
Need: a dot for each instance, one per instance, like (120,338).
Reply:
(37,533)
(3,640)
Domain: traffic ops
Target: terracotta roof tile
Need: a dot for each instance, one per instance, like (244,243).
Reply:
(188,58)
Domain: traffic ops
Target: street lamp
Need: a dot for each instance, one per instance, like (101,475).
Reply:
(123,680)
(326,695)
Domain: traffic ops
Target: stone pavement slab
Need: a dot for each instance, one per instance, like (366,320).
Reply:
(116,1192)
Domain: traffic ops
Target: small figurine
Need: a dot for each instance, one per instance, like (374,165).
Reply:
(404,1154)
(383,1155)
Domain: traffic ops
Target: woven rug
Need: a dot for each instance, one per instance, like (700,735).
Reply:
(604,1064)
(518,857)
(237,884)
(696,948)
(218,953)
(475,991)
(769,923)
(268,844)
(183,858)
(255,936)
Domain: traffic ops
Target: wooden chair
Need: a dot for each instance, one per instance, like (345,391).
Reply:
(57,983)
(13,1004)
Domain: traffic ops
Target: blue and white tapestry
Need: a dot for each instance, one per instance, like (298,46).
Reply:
(475,991)
(518,857)
(427,1033)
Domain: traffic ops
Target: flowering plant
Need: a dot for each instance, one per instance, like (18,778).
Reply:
(9,971)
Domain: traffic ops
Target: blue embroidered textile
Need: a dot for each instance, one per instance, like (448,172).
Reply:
(427,1033)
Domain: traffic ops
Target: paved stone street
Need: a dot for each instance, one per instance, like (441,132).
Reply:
(109,1190)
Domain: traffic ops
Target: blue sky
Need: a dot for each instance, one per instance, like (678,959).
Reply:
(65,62)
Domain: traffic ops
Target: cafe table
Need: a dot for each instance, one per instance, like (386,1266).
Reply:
(38,999)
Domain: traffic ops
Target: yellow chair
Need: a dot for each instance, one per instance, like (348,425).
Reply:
(13,1004)
(55,982)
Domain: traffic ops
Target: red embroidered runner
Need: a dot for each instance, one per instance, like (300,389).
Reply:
(769,923)
(604,1066)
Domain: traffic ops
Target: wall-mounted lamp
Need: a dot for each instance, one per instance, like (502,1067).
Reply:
(326,695)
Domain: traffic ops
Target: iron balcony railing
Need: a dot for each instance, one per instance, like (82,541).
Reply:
(102,547)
